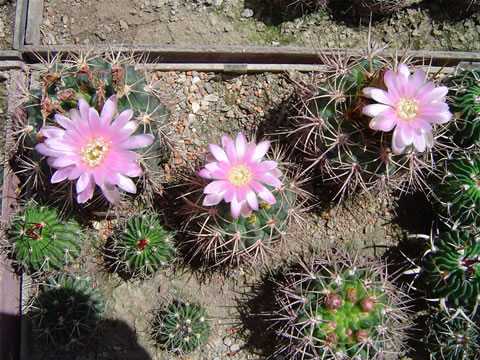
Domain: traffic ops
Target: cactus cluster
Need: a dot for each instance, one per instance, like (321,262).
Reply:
(451,270)
(452,337)
(66,310)
(181,327)
(144,246)
(337,308)
(94,78)
(331,128)
(41,241)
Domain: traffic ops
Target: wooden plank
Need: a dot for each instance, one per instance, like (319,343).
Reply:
(34,20)
(247,54)
(20,24)
(10,288)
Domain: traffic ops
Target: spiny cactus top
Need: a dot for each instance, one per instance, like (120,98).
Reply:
(239,174)
(94,150)
(41,240)
(465,104)
(66,309)
(451,271)
(145,246)
(452,338)
(339,310)
(459,190)
(409,107)
(181,327)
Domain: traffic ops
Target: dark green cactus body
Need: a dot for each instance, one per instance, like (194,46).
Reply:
(451,271)
(66,309)
(464,102)
(451,338)
(41,241)
(459,189)
(181,327)
(338,311)
(145,246)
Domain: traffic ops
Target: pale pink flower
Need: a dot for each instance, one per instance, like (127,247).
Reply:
(239,173)
(410,105)
(94,150)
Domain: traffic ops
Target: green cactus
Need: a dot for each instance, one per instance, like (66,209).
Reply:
(144,247)
(337,308)
(41,241)
(464,96)
(451,270)
(221,238)
(181,327)
(452,338)
(458,190)
(66,309)
(331,128)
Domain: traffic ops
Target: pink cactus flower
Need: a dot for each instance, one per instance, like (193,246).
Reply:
(94,150)
(410,105)
(239,175)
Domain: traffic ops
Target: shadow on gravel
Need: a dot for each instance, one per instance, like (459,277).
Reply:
(113,340)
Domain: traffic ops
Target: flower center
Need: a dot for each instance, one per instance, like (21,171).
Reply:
(240,175)
(407,109)
(94,151)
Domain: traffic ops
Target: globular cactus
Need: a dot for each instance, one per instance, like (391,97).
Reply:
(360,151)
(338,308)
(181,327)
(464,100)
(144,247)
(66,310)
(458,189)
(41,241)
(451,269)
(452,336)
(94,78)
(298,7)
(379,7)
(248,206)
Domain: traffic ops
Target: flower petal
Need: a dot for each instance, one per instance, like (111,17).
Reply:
(121,120)
(217,187)
(111,193)
(126,184)
(60,174)
(87,193)
(398,146)
(381,96)
(136,142)
(241,146)
(108,110)
(260,150)
(212,199)
(375,109)
(218,152)
(252,200)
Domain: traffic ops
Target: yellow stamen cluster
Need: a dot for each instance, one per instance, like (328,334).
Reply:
(240,175)
(407,109)
(94,151)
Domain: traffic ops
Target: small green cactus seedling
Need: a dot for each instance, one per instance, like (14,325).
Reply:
(66,309)
(464,96)
(41,241)
(451,270)
(181,327)
(337,308)
(144,246)
(452,338)
(458,191)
